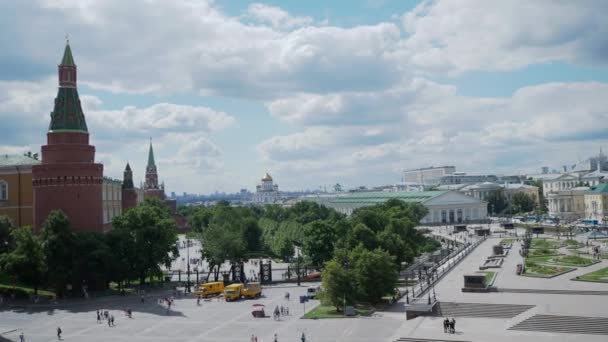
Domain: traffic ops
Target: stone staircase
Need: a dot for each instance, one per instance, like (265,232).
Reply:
(413,339)
(452,309)
(564,324)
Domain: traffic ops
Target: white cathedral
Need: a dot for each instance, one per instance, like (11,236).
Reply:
(266,191)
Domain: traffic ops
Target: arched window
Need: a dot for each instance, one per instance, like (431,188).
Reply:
(3,191)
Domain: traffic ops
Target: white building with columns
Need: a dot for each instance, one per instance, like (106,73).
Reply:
(443,206)
(567,205)
(266,191)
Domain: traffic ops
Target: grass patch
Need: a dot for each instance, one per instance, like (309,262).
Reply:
(506,241)
(542,252)
(544,271)
(24,291)
(489,277)
(566,260)
(600,276)
(328,311)
(545,244)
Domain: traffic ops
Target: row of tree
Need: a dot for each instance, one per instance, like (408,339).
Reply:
(383,233)
(59,258)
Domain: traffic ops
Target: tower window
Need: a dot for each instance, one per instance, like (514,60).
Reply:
(3,191)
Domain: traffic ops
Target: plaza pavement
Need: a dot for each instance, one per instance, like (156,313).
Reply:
(221,321)
(491,329)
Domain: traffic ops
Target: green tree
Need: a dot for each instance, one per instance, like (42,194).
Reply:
(120,268)
(394,245)
(374,274)
(319,242)
(542,201)
(252,234)
(153,234)
(92,266)
(25,263)
(362,235)
(6,225)
(58,249)
(222,243)
(523,203)
(496,202)
(338,287)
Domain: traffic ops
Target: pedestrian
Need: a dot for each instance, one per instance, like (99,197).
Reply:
(98,316)
(112,319)
(198,300)
(303,338)
(109,322)
(59,333)
(287,310)
(453,325)
(446,325)
(252,339)
(282,310)
(21,337)
(276,338)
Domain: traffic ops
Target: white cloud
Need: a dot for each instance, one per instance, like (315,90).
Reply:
(433,123)
(463,35)
(276,17)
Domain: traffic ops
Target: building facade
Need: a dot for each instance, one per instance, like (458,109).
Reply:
(567,205)
(151,187)
(482,191)
(112,201)
(596,203)
(428,175)
(266,191)
(445,207)
(463,178)
(68,177)
(511,189)
(16,194)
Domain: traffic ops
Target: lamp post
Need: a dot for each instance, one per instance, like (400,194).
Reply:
(188,263)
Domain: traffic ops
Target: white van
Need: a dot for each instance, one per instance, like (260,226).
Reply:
(313,291)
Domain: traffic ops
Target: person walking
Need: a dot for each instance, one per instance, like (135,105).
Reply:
(21,337)
(453,325)
(98,317)
(303,338)
(446,325)
(59,333)
(112,319)
(276,338)
(109,322)
(252,339)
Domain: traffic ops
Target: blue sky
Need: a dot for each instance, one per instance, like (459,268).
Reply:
(316,92)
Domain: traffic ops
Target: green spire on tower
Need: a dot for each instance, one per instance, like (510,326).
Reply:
(151,163)
(67,114)
(67,55)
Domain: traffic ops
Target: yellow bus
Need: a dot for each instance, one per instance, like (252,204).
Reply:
(210,289)
(233,291)
(253,290)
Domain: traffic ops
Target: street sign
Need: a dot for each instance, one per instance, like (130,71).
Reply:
(303,299)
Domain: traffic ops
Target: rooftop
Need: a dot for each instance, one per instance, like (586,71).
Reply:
(17,160)
(602,187)
(373,197)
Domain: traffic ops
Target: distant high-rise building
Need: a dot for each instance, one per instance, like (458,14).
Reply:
(544,170)
(428,175)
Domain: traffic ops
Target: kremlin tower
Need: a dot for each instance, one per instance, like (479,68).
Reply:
(68,177)
(151,187)
(129,193)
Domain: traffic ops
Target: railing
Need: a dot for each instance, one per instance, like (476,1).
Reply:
(421,292)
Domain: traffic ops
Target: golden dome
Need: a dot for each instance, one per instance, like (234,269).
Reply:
(267,178)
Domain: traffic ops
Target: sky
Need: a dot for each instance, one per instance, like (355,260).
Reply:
(314,92)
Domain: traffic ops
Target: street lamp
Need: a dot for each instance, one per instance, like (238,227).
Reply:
(188,261)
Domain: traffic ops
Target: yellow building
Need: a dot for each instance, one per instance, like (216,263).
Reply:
(16,194)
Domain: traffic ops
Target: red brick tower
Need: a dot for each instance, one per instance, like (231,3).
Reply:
(129,195)
(151,188)
(68,178)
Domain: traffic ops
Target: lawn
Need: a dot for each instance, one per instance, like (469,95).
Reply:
(566,260)
(545,244)
(543,252)
(506,241)
(24,290)
(543,271)
(328,311)
(600,276)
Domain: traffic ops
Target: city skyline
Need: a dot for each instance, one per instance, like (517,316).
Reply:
(316,94)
